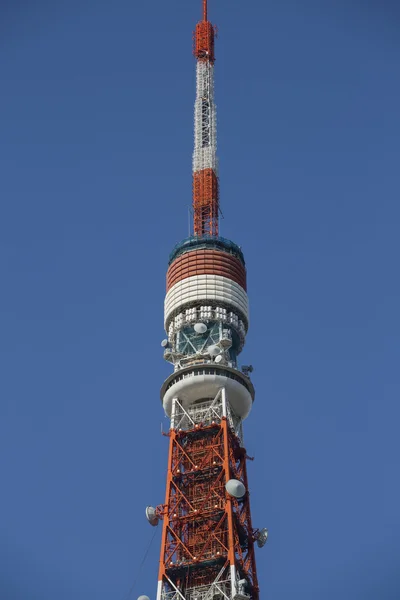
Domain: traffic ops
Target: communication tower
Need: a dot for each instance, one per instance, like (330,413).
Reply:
(208,540)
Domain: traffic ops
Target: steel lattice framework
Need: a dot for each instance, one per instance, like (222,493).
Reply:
(208,541)
(205,163)
(208,538)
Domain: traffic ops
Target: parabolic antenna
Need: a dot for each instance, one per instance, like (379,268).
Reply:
(152,518)
(235,488)
(143,598)
(219,358)
(164,343)
(213,350)
(262,537)
(200,328)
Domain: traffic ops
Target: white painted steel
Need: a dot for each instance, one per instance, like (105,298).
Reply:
(205,287)
(172,425)
(159,590)
(179,593)
(201,386)
(207,413)
(233,581)
(205,120)
(223,397)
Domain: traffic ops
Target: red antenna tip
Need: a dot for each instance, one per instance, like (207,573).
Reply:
(204,10)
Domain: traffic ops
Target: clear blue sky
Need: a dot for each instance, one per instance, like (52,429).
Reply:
(95,153)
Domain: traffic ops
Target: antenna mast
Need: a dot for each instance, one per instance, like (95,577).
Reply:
(205,163)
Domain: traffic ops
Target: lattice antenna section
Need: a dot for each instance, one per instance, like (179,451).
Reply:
(205,162)
(205,120)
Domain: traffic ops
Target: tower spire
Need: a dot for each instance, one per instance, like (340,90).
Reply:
(205,163)
(204,10)
(208,540)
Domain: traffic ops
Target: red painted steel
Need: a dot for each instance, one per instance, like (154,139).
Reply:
(205,202)
(206,262)
(204,42)
(204,528)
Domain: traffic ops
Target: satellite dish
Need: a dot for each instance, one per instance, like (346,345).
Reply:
(262,537)
(151,516)
(200,328)
(143,598)
(164,343)
(219,358)
(235,488)
(214,350)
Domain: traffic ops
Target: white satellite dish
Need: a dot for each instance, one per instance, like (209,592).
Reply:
(219,358)
(143,598)
(235,488)
(164,343)
(200,327)
(151,516)
(213,350)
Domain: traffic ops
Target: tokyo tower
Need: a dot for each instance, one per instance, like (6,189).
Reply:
(208,540)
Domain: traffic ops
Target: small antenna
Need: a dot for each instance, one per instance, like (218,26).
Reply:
(204,10)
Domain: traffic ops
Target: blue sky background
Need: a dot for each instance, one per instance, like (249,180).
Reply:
(95,153)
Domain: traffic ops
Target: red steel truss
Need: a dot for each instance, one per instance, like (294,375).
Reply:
(204,43)
(203,38)
(205,202)
(204,528)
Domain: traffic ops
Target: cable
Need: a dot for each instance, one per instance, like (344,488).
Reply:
(141,565)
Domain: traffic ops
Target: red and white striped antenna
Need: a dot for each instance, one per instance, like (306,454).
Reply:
(205,163)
